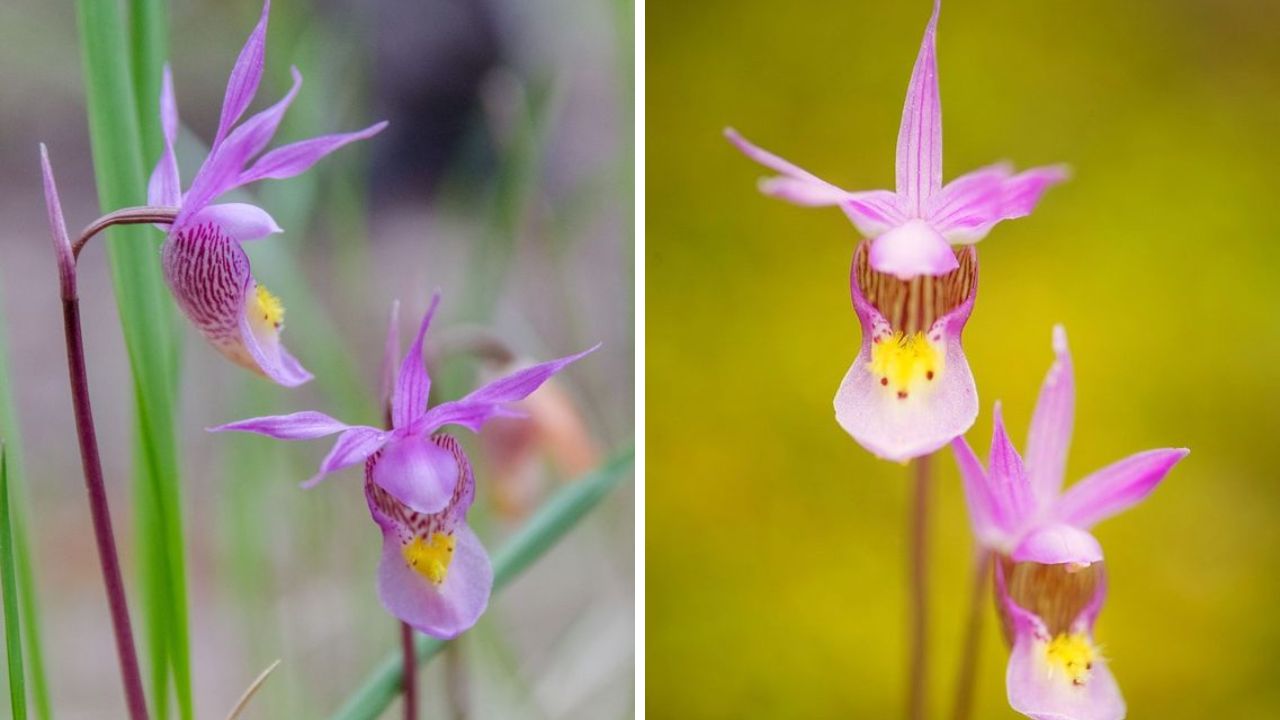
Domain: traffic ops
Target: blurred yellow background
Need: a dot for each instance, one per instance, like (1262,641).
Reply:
(775,560)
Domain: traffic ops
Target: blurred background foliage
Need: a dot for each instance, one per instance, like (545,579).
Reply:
(504,180)
(776,561)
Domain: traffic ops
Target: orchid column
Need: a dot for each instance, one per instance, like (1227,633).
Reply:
(910,391)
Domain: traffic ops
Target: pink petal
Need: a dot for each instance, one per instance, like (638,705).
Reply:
(1038,691)
(443,611)
(353,446)
(413,385)
(874,212)
(912,249)
(1058,544)
(985,515)
(242,85)
(209,275)
(1008,476)
(1116,487)
(919,165)
(296,158)
(240,221)
(306,425)
(272,358)
(417,472)
(164,188)
(969,206)
(1050,433)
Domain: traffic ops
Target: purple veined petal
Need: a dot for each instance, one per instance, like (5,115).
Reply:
(246,74)
(486,403)
(165,188)
(1039,690)
(1009,475)
(985,514)
(353,446)
(919,161)
(240,221)
(443,611)
(874,212)
(296,158)
(413,384)
(911,249)
(1050,434)
(209,276)
(306,425)
(417,472)
(896,422)
(1116,487)
(391,356)
(1058,544)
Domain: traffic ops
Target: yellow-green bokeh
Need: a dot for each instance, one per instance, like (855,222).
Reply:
(775,554)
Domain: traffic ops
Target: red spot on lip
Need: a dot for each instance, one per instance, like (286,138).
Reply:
(884,381)
(902,394)
(928,375)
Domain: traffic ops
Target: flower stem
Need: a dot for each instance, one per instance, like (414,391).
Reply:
(918,540)
(101,513)
(966,673)
(410,672)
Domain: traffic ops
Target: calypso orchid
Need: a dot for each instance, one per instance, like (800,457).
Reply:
(913,227)
(434,573)
(1049,571)
(204,265)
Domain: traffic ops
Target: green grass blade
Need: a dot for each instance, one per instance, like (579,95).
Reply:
(146,314)
(8,583)
(550,523)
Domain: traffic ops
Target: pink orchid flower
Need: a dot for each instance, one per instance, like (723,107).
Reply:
(913,227)
(1049,566)
(204,265)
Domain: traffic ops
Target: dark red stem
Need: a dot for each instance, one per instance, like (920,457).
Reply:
(966,674)
(410,672)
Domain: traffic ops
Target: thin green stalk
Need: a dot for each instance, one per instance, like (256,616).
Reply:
(551,522)
(146,315)
(8,583)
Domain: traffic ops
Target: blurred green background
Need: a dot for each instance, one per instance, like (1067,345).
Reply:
(776,561)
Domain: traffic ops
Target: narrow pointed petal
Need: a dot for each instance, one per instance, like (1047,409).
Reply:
(390,357)
(911,249)
(1009,475)
(1039,690)
(488,402)
(165,188)
(296,158)
(924,405)
(1117,487)
(413,385)
(1058,544)
(919,165)
(246,74)
(1050,434)
(443,611)
(58,228)
(306,425)
(240,221)
(985,514)
(417,472)
(353,446)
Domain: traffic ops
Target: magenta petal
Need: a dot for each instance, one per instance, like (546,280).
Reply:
(1116,487)
(242,85)
(1022,191)
(873,213)
(413,385)
(1058,544)
(1050,434)
(209,275)
(1038,691)
(969,206)
(985,515)
(353,446)
(164,188)
(919,162)
(240,221)
(1009,476)
(442,611)
(271,357)
(296,158)
(912,249)
(306,425)
(417,472)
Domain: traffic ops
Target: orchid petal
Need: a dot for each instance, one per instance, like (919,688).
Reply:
(240,221)
(417,472)
(1050,433)
(413,385)
(919,161)
(165,188)
(874,212)
(486,403)
(391,356)
(246,74)
(1116,487)
(1058,544)
(969,206)
(270,355)
(353,446)
(985,514)
(443,611)
(1039,691)
(296,158)
(306,425)
(1008,474)
(912,249)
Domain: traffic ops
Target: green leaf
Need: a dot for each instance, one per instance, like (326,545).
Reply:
(9,585)
(147,319)
(550,523)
